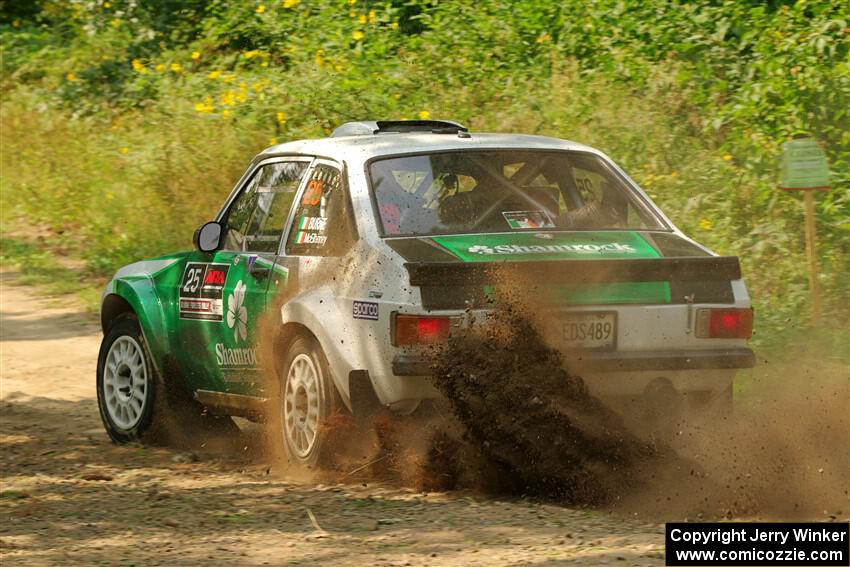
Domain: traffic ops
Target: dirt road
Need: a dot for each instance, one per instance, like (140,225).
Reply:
(70,497)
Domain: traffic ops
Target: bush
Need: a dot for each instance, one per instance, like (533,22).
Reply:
(125,123)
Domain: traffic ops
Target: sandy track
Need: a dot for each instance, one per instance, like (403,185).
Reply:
(156,506)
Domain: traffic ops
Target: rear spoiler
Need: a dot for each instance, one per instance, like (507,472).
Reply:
(688,269)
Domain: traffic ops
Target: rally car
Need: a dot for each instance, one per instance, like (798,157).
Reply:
(380,239)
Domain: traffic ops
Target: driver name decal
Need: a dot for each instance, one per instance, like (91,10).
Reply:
(201,291)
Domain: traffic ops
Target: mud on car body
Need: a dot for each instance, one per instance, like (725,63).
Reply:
(382,238)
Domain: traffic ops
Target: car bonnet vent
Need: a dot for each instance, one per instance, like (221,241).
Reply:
(367,128)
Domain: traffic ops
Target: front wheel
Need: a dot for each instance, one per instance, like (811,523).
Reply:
(307,399)
(125,382)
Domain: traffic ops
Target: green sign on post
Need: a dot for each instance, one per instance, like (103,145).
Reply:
(804,168)
(803,165)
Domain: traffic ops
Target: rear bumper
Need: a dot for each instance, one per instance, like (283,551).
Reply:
(716,359)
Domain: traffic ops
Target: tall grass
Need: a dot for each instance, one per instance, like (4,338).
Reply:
(119,139)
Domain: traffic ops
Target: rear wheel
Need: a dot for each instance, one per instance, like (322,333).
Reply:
(307,399)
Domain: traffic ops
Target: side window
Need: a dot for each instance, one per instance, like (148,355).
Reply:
(257,217)
(321,226)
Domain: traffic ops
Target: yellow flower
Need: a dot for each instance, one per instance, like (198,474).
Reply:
(252,53)
(228,98)
(160,68)
(357,35)
(362,19)
(196,55)
(115,22)
(176,67)
(264,64)
(107,5)
(138,66)
(352,14)
(281,118)
(261,8)
(214,75)
(320,57)
(229,78)
(352,2)
(373,16)
(205,107)
(727,157)
(125,150)
(257,86)
(674,174)
(71,77)
(424,115)
(109,196)
(543,38)
(394,25)
(225,112)
(290,3)
(273,141)
(705,224)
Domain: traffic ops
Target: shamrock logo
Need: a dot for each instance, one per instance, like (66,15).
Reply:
(237,314)
(480,249)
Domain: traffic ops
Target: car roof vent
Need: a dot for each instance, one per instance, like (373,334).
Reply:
(370,127)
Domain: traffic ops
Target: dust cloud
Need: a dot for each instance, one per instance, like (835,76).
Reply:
(512,420)
(783,454)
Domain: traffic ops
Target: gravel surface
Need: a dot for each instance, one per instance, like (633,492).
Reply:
(70,497)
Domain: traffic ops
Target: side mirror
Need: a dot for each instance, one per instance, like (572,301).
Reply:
(208,237)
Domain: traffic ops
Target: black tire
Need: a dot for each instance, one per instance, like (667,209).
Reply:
(126,394)
(302,434)
(169,415)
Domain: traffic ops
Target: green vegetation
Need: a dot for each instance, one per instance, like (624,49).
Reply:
(126,122)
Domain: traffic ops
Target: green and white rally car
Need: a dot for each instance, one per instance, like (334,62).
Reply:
(382,238)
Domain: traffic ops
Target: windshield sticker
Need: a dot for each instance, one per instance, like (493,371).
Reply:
(304,237)
(527,247)
(313,193)
(312,223)
(201,291)
(528,219)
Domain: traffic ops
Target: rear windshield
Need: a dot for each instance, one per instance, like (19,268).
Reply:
(501,190)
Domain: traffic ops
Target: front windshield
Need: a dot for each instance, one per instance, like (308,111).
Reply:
(504,190)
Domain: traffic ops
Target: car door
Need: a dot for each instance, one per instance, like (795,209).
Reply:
(223,295)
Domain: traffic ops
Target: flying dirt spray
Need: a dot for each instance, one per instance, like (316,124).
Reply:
(513,420)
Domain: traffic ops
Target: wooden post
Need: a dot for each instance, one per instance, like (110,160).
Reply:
(804,168)
(809,199)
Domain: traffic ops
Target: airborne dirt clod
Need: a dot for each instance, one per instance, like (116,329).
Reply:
(533,420)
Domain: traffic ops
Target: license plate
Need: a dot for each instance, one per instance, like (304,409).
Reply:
(590,330)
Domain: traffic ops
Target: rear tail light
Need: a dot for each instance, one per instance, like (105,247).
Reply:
(724,323)
(420,329)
